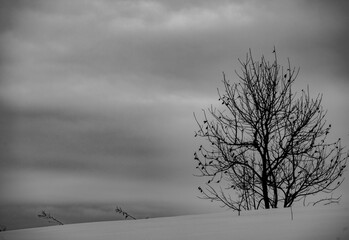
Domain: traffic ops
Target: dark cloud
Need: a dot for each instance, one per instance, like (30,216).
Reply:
(122,145)
(10,15)
(324,42)
(336,8)
(6,137)
(10,11)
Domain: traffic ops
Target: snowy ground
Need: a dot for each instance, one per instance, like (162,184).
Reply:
(308,223)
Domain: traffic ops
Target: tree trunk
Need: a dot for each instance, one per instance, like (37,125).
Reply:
(265,191)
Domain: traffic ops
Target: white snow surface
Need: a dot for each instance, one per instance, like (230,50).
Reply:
(308,223)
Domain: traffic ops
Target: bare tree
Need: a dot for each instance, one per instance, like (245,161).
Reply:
(266,145)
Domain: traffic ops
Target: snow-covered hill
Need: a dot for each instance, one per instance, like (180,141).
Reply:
(308,223)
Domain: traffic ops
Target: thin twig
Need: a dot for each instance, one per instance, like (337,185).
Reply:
(123,213)
(49,217)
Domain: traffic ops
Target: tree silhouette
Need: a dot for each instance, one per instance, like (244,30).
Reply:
(266,145)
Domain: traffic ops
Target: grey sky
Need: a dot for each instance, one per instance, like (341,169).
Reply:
(97,96)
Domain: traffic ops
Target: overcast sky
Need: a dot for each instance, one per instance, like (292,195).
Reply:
(97,97)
